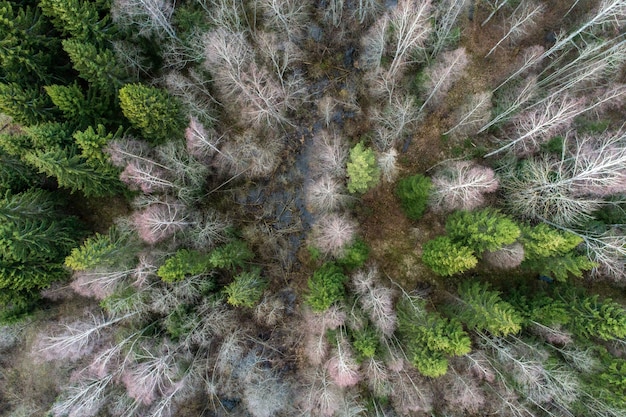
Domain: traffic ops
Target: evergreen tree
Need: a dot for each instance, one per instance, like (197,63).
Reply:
(27,51)
(74,173)
(15,176)
(326,287)
(428,338)
(49,136)
(483,309)
(92,143)
(550,252)
(78,18)
(593,317)
(231,256)
(246,289)
(413,193)
(101,251)
(80,109)
(26,105)
(482,230)
(362,168)
(95,65)
(446,258)
(185,263)
(153,111)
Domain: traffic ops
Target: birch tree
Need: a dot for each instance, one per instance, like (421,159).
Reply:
(441,75)
(522,21)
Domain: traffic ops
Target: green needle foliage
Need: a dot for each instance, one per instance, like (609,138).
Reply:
(446,257)
(594,317)
(78,18)
(25,104)
(75,173)
(413,193)
(482,230)
(365,342)
(355,255)
(246,289)
(153,111)
(231,256)
(428,338)
(95,65)
(183,264)
(550,252)
(101,250)
(483,309)
(326,287)
(362,168)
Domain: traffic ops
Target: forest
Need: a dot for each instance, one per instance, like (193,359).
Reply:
(323,208)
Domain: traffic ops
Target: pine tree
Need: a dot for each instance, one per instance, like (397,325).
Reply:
(594,317)
(74,173)
(482,230)
(92,143)
(413,193)
(246,289)
(101,251)
(95,65)
(363,171)
(483,309)
(446,258)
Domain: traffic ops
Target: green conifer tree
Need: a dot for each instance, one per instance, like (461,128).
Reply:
(78,18)
(101,251)
(92,143)
(594,317)
(95,65)
(482,309)
(231,256)
(80,109)
(183,264)
(446,258)
(362,168)
(246,289)
(482,230)
(413,193)
(153,111)
(326,287)
(26,105)
(74,173)
(551,252)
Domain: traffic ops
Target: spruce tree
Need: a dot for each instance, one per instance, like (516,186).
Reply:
(482,230)
(185,263)
(153,111)
(413,193)
(92,143)
(27,105)
(95,65)
(246,289)
(362,168)
(326,287)
(446,258)
(78,18)
(482,309)
(74,173)
(80,109)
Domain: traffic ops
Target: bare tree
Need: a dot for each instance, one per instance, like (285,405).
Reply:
(387,162)
(201,143)
(148,177)
(332,233)
(249,154)
(495,6)
(367,9)
(342,367)
(83,399)
(533,127)
(461,185)
(287,16)
(330,153)
(394,122)
(151,16)
(440,76)
(193,92)
(472,115)
(409,18)
(446,17)
(523,20)
(508,257)
(512,101)
(326,194)
(77,339)
(376,300)
(160,220)
(228,14)
(531,57)
(323,396)
(334,11)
